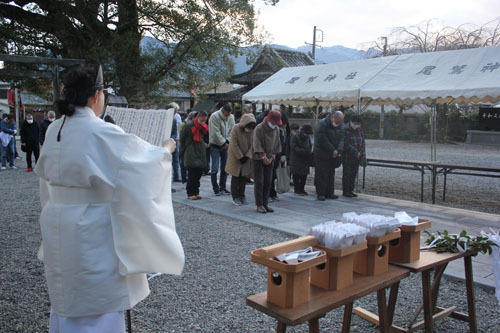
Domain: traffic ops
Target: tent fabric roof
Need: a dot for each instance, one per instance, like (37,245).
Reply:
(471,75)
(325,84)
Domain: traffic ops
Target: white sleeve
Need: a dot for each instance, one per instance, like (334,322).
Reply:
(142,215)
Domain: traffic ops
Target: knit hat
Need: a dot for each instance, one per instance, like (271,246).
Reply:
(307,129)
(274,117)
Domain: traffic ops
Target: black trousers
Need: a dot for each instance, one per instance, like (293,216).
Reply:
(32,148)
(324,178)
(272,191)
(193,182)
(238,186)
(299,181)
(183,169)
(263,175)
(349,173)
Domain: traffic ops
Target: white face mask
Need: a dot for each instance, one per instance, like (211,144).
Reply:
(271,125)
(30,121)
(52,119)
(355,126)
(247,130)
(335,124)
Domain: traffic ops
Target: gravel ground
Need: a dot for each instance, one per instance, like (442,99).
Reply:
(208,297)
(467,192)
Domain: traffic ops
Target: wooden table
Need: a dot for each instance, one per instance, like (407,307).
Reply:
(322,301)
(430,260)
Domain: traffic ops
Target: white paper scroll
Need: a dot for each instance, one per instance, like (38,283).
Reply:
(153,126)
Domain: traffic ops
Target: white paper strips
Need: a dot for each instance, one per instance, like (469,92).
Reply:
(295,257)
(377,225)
(337,235)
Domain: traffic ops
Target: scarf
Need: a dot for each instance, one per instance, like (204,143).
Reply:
(198,130)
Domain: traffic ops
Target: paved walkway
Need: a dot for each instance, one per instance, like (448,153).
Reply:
(296,214)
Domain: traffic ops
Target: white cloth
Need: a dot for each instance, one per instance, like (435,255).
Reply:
(113,322)
(107,216)
(5,138)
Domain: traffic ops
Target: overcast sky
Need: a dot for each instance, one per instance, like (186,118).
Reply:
(354,23)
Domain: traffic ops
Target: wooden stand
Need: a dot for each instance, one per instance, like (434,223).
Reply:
(337,272)
(375,259)
(287,285)
(407,248)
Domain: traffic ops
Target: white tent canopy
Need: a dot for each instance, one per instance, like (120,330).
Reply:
(471,75)
(323,84)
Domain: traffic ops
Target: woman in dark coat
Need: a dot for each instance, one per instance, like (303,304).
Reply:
(301,158)
(194,152)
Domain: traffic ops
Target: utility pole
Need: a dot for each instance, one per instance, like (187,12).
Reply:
(315,40)
(382,108)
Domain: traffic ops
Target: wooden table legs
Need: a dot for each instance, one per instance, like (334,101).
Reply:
(313,326)
(346,323)
(469,282)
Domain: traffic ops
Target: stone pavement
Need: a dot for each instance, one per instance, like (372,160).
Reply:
(297,214)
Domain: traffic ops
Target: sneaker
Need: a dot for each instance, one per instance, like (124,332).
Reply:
(13,167)
(244,201)
(29,170)
(261,210)
(4,168)
(321,197)
(193,197)
(268,209)
(217,193)
(236,202)
(198,197)
(354,195)
(333,197)
(224,191)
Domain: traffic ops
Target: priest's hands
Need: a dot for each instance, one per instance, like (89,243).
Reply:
(170,144)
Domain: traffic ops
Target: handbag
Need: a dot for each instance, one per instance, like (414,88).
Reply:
(283,178)
(23,147)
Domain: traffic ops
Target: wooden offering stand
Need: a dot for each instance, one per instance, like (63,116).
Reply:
(287,285)
(337,272)
(407,248)
(375,259)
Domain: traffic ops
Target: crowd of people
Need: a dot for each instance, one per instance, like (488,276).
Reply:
(251,149)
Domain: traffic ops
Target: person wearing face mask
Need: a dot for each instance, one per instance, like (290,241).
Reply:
(7,132)
(239,164)
(354,153)
(107,217)
(30,134)
(193,152)
(328,147)
(300,158)
(266,146)
(44,125)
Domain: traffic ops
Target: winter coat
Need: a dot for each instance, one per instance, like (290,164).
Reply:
(300,153)
(354,143)
(327,139)
(239,146)
(194,152)
(266,140)
(30,133)
(219,128)
(44,125)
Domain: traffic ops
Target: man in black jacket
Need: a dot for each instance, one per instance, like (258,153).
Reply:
(51,116)
(30,134)
(328,146)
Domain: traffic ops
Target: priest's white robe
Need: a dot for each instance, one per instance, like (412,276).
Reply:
(107,217)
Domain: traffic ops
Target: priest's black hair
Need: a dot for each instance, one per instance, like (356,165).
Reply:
(79,84)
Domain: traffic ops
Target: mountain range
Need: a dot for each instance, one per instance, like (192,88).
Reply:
(323,55)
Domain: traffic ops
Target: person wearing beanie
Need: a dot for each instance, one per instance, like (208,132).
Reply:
(301,157)
(266,146)
(354,154)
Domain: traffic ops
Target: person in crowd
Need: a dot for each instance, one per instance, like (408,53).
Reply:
(44,125)
(189,120)
(300,158)
(354,153)
(247,109)
(107,217)
(30,134)
(8,130)
(206,142)
(193,150)
(266,146)
(280,158)
(240,157)
(175,156)
(261,116)
(328,146)
(220,124)
(294,127)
